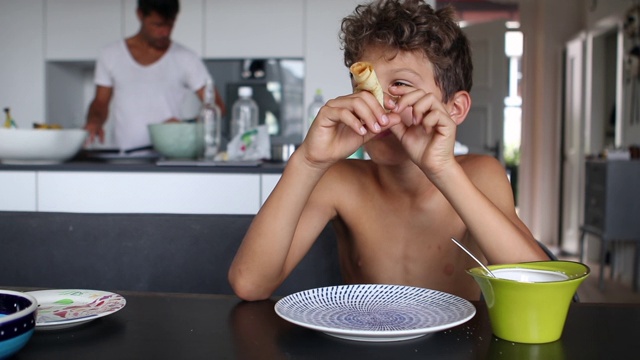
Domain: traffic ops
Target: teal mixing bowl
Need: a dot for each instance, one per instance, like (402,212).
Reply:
(177,140)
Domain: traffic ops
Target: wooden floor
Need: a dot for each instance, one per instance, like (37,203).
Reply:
(613,292)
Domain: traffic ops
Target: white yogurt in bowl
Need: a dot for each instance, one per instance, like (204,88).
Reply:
(529,275)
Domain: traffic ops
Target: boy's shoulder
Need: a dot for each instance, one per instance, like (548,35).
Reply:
(345,181)
(474,161)
(475,158)
(481,168)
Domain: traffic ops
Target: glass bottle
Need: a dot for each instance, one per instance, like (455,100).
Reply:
(209,122)
(244,114)
(314,107)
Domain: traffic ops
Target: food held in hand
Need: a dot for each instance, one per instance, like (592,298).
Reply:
(367,80)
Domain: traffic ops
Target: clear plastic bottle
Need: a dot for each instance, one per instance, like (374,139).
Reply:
(314,107)
(244,114)
(209,122)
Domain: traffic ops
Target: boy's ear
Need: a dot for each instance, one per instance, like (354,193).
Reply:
(460,105)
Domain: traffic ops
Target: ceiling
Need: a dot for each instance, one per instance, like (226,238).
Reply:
(477,11)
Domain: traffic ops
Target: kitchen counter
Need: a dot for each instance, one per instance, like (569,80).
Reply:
(264,168)
(139,227)
(142,187)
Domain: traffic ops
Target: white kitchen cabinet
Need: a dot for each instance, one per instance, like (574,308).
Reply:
(268,183)
(174,193)
(18,191)
(78,29)
(324,60)
(21,69)
(254,28)
(188,29)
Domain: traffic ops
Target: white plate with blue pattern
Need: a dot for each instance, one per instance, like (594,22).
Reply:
(375,312)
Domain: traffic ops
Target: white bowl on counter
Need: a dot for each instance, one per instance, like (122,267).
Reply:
(40,146)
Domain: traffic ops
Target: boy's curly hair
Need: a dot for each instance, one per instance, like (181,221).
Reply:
(412,25)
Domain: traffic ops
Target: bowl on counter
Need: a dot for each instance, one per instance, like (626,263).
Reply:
(176,140)
(40,146)
(528,302)
(17,321)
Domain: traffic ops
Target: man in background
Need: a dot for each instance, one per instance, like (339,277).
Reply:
(144,78)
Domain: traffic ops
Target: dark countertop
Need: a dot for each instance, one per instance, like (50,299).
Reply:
(147,166)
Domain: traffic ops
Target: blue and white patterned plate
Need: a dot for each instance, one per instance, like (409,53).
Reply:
(375,312)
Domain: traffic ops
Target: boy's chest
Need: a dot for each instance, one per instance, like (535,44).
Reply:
(402,240)
(401,220)
(382,230)
(402,252)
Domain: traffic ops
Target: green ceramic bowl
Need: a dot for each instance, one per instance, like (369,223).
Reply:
(176,140)
(533,309)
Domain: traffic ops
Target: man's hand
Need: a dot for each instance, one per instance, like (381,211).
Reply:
(96,132)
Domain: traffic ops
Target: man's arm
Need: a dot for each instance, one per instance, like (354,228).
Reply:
(98,113)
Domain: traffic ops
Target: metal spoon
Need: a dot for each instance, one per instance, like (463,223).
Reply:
(474,258)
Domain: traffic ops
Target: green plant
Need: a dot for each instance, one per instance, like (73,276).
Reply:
(512,155)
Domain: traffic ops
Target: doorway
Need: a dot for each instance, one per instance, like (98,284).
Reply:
(572,145)
(591,102)
(493,125)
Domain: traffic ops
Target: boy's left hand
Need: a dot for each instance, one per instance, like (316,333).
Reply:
(427,131)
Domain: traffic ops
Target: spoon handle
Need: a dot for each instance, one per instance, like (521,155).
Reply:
(474,258)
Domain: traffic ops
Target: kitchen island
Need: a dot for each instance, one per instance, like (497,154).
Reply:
(142,187)
(138,227)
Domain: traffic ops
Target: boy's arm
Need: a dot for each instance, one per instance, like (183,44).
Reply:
(480,193)
(300,206)
(477,187)
(281,233)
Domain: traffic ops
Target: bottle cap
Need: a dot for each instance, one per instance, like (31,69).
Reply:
(245,91)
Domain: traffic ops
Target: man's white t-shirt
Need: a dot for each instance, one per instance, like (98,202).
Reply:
(146,94)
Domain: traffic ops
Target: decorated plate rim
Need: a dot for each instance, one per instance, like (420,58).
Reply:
(378,333)
(43,297)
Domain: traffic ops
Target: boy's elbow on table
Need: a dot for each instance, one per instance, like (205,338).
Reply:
(247,289)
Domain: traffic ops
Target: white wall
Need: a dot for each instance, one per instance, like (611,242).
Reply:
(22,64)
(323,55)
(595,11)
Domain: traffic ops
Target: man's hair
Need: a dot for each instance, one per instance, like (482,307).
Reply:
(168,9)
(412,26)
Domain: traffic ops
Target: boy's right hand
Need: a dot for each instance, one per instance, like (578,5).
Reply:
(343,125)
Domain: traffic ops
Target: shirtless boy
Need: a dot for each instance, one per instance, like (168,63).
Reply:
(396,213)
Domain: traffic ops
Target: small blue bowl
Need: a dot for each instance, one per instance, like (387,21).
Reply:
(17,321)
